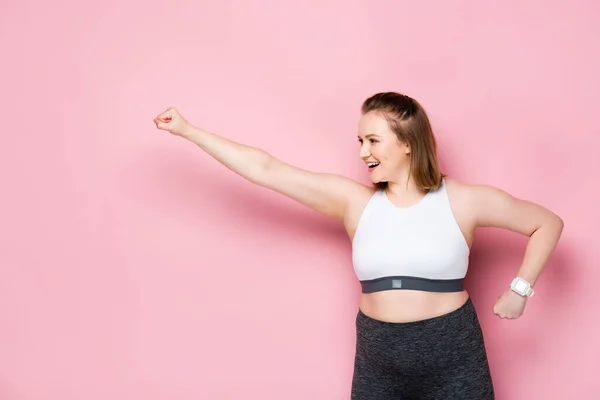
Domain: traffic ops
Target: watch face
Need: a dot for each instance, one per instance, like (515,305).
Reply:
(521,286)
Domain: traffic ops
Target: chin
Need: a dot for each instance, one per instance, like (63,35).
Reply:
(375,178)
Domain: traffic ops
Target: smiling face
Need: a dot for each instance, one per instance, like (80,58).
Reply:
(384,154)
(397,140)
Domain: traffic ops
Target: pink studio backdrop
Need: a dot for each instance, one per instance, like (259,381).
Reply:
(133,266)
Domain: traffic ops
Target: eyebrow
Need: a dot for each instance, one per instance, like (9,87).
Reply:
(369,135)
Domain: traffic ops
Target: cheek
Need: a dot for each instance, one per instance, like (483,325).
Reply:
(382,152)
(390,155)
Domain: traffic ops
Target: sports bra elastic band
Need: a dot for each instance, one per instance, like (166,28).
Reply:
(412,283)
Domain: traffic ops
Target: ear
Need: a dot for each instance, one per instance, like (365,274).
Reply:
(406,148)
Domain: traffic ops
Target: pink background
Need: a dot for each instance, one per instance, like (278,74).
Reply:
(133,266)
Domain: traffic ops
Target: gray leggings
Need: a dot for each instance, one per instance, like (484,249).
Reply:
(438,358)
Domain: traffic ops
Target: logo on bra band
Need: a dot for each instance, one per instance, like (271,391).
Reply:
(397,283)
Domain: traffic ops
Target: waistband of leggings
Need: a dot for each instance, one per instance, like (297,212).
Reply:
(411,283)
(466,312)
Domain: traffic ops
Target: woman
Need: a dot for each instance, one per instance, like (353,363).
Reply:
(418,336)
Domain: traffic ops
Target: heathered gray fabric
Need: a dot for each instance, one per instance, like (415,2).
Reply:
(441,358)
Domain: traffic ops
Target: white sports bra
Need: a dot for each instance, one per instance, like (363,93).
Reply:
(420,247)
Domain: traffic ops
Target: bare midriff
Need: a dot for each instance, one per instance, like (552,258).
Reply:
(410,305)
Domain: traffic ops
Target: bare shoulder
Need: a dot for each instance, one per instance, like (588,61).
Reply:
(458,191)
(466,195)
(471,195)
(360,196)
(460,199)
(490,206)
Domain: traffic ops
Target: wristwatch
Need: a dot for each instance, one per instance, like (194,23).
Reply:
(521,287)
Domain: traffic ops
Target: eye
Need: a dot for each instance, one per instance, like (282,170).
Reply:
(372,140)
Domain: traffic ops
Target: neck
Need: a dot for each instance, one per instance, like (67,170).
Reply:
(402,186)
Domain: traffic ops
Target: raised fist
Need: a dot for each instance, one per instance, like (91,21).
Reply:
(173,122)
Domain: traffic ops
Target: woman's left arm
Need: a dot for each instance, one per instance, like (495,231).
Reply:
(494,207)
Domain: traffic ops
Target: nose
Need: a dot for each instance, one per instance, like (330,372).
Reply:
(365,151)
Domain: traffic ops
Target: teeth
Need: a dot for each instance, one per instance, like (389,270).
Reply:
(373,165)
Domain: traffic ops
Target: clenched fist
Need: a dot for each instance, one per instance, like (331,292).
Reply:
(510,305)
(171,121)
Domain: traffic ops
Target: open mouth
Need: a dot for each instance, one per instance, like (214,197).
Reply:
(373,165)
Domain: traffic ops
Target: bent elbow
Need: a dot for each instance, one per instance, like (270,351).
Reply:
(551,223)
(560,224)
(556,224)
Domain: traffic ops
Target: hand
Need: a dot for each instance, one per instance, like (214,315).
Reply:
(171,121)
(510,305)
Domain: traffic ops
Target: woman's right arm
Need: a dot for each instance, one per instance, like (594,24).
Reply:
(325,193)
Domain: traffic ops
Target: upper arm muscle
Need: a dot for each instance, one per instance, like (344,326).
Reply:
(326,193)
(496,208)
